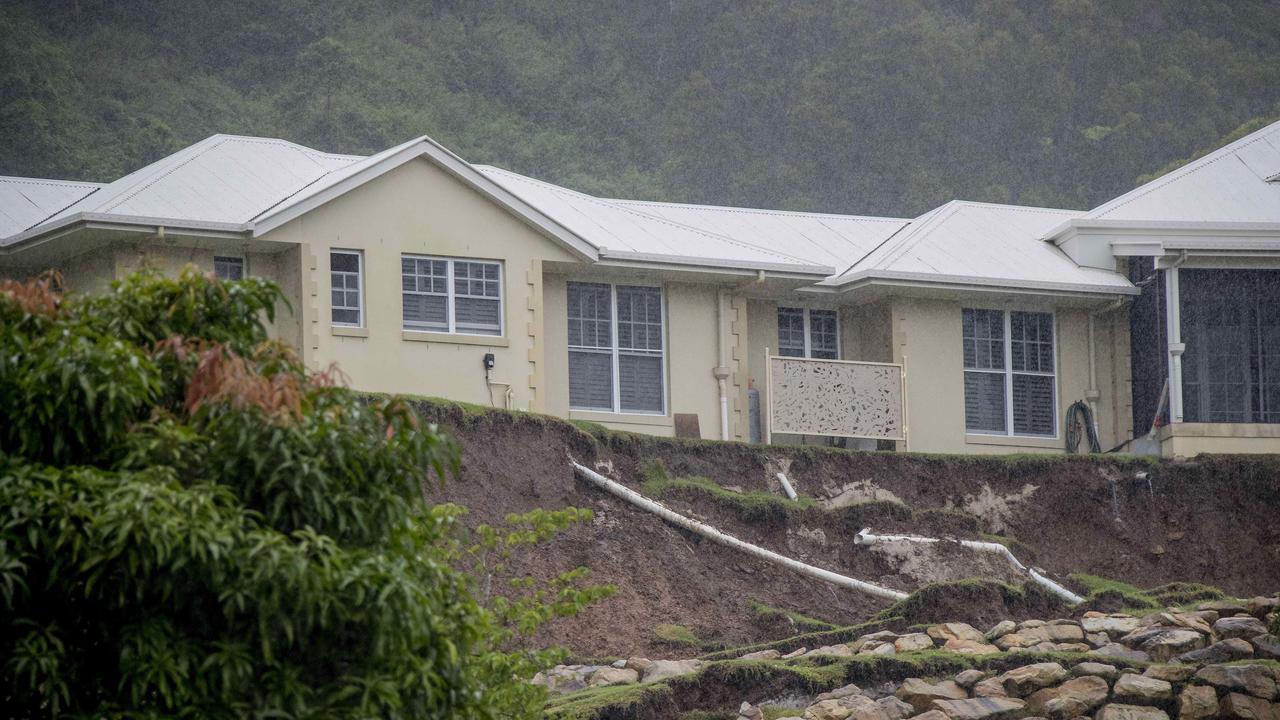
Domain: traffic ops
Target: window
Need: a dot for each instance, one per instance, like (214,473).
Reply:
(228,268)
(616,348)
(1009,381)
(345,279)
(452,296)
(808,333)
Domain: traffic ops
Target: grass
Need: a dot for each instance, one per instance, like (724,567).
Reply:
(676,635)
(804,623)
(773,712)
(613,701)
(1136,601)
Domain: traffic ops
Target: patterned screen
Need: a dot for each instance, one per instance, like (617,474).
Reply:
(844,399)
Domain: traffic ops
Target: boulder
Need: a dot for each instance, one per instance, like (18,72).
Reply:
(1112,625)
(914,641)
(1101,670)
(1256,680)
(1239,705)
(1191,621)
(969,678)
(1097,639)
(954,631)
(1259,607)
(838,693)
(1219,652)
(1118,711)
(1031,624)
(894,708)
(1072,698)
(852,707)
(931,715)
(1170,673)
(1266,646)
(747,711)
(606,676)
(1223,607)
(1197,702)
(991,687)
(1022,681)
(1116,650)
(1004,627)
(663,669)
(878,647)
(1142,689)
(984,708)
(638,664)
(1012,640)
(1053,633)
(1071,647)
(831,651)
(1239,627)
(795,653)
(921,694)
(1167,644)
(969,647)
(769,654)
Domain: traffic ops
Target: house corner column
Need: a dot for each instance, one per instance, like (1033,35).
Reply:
(1173,323)
(534,329)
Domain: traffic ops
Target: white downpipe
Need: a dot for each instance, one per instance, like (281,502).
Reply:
(866,538)
(786,487)
(721,371)
(621,491)
(1173,321)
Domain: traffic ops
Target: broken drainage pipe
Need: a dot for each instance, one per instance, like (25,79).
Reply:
(866,538)
(619,490)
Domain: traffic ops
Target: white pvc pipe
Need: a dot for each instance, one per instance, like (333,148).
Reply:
(621,491)
(786,487)
(866,538)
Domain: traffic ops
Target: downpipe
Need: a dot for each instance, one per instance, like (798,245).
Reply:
(623,492)
(867,538)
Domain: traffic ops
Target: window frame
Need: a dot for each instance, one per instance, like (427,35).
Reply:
(1008,373)
(244,265)
(616,352)
(360,290)
(808,331)
(451,295)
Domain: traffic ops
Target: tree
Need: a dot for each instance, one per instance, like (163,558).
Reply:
(193,525)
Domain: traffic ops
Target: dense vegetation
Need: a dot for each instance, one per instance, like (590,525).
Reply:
(873,107)
(194,526)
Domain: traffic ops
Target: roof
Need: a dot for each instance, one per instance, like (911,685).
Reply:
(1233,184)
(26,201)
(970,243)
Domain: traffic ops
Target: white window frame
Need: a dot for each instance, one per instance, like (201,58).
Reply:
(359,273)
(244,265)
(1008,372)
(451,295)
(616,352)
(808,331)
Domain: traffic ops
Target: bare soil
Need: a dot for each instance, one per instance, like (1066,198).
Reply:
(1211,520)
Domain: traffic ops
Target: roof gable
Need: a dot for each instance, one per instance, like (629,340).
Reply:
(27,201)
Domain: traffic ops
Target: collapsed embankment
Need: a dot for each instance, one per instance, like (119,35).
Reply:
(1209,520)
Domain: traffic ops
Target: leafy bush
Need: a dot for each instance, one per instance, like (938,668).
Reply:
(193,525)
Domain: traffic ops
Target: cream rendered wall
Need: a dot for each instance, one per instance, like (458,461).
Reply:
(927,333)
(691,354)
(89,273)
(419,208)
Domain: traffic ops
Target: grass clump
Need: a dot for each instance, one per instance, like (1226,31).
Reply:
(651,700)
(799,621)
(676,635)
(1117,596)
(753,507)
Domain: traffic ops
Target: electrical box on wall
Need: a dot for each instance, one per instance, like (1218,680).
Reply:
(489,361)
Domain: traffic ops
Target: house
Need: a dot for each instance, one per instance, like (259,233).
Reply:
(970,329)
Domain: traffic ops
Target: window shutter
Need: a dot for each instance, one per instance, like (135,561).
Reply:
(590,380)
(1033,411)
(640,383)
(984,402)
(426,312)
(477,315)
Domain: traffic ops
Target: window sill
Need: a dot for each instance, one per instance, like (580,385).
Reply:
(455,338)
(1015,441)
(344,331)
(603,416)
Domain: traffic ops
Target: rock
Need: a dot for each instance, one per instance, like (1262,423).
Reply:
(638,664)
(1197,702)
(985,708)
(914,641)
(663,669)
(921,694)
(1256,680)
(878,648)
(931,715)
(1190,621)
(1116,650)
(1074,697)
(1012,640)
(795,653)
(1239,627)
(1142,689)
(838,693)
(969,678)
(1117,711)
(606,676)
(1115,627)
(1101,670)
(1266,646)
(1031,624)
(894,708)
(1053,633)
(852,707)
(769,654)
(1004,627)
(619,663)
(1239,705)
(1022,681)
(955,631)
(1170,673)
(969,647)
(1071,647)
(1219,652)
(1097,639)
(747,711)
(1223,607)
(1259,607)
(831,651)
(563,679)
(991,687)
(1167,644)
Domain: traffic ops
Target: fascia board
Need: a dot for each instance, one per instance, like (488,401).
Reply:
(994,285)
(807,272)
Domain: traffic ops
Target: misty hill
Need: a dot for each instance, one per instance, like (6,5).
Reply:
(860,107)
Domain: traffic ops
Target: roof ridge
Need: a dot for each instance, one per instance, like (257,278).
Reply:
(759,211)
(49,181)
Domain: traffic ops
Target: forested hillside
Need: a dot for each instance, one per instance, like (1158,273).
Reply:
(867,107)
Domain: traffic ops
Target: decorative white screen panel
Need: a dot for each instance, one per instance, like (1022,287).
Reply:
(835,398)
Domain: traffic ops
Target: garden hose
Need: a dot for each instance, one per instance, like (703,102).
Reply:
(1079,416)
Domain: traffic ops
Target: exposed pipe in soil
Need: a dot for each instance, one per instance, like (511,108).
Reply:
(866,538)
(621,491)
(786,487)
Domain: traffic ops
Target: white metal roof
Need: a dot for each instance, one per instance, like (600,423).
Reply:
(623,232)
(969,243)
(26,201)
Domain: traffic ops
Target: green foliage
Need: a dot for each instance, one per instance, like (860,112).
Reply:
(676,635)
(1136,601)
(194,526)
(799,621)
(880,108)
